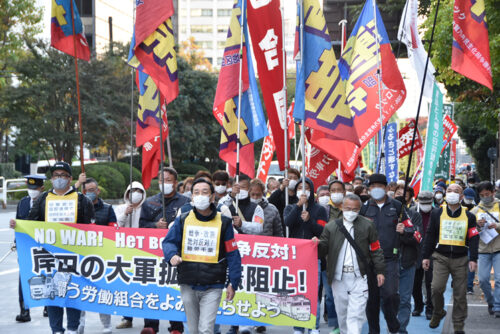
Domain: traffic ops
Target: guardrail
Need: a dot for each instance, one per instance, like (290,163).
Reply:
(11,186)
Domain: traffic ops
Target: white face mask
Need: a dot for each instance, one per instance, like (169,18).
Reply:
(438,196)
(255,200)
(467,201)
(452,198)
(377,193)
(33,193)
(349,193)
(220,189)
(292,184)
(300,192)
(201,202)
(337,197)
(425,207)
(243,194)
(136,197)
(168,188)
(228,190)
(324,200)
(350,216)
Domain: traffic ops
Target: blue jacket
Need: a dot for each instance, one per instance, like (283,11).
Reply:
(173,242)
(104,213)
(151,209)
(23,208)
(317,218)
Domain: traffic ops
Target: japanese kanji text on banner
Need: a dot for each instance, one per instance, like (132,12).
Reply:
(123,272)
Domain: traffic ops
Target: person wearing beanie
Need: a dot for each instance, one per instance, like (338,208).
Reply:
(438,196)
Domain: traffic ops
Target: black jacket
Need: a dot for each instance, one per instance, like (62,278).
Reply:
(278,199)
(432,237)
(85,212)
(151,209)
(104,213)
(385,220)
(317,218)
(411,240)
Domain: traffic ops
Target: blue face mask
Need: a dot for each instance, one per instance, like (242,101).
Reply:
(377,193)
(60,183)
(91,196)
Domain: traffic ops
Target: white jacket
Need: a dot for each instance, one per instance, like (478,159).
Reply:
(124,219)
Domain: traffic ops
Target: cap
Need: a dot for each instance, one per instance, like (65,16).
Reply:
(35,181)
(62,166)
(441,184)
(377,178)
(425,197)
(440,189)
(469,193)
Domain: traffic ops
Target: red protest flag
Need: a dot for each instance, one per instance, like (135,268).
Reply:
(265,26)
(61,28)
(151,158)
(471,48)
(406,137)
(149,15)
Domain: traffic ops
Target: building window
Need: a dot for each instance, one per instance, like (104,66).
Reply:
(203,28)
(204,44)
(183,12)
(221,44)
(222,28)
(84,7)
(210,60)
(219,61)
(205,12)
(223,12)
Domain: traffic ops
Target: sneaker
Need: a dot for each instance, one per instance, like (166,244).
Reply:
(416,313)
(71,332)
(459,332)
(428,314)
(107,330)
(45,312)
(436,319)
(298,332)
(497,314)
(260,329)
(124,324)
(470,291)
(335,331)
(490,309)
(81,329)
(314,331)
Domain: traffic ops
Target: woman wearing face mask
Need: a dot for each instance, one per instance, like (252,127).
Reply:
(132,207)
(337,193)
(438,196)
(272,220)
(278,198)
(469,198)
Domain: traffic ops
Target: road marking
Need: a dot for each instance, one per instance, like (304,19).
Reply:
(5,229)
(472,305)
(10,271)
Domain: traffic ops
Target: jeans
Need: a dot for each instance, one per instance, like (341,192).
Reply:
(329,302)
(56,314)
(486,261)
(387,295)
(318,312)
(470,278)
(201,308)
(406,277)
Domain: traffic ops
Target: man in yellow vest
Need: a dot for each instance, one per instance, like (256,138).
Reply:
(62,204)
(451,234)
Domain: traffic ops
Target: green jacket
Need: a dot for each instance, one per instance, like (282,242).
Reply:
(365,234)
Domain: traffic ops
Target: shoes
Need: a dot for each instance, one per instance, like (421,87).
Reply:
(470,291)
(24,316)
(459,332)
(428,314)
(71,332)
(124,324)
(297,332)
(260,329)
(335,331)
(81,329)
(148,330)
(107,330)
(325,317)
(232,330)
(436,319)
(497,314)
(175,331)
(490,309)
(45,312)
(416,313)
(314,331)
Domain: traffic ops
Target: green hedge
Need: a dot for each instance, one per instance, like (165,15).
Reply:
(111,181)
(189,168)
(124,169)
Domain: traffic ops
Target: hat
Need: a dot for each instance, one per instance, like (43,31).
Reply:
(377,178)
(425,197)
(35,181)
(441,184)
(62,166)
(469,193)
(440,189)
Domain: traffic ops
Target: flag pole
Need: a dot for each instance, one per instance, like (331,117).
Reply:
(240,89)
(379,84)
(285,129)
(302,128)
(161,178)
(169,151)
(422,88)
(342,24)
(131,126)
(77,87)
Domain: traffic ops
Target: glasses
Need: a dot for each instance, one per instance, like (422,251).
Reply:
(351,209)
(60,176)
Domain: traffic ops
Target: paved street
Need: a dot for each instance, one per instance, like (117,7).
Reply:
(478,321)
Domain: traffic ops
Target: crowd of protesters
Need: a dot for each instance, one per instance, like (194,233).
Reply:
(379,246)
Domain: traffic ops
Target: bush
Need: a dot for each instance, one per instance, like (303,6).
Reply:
(111,182)
(8,171)
(124,169)
(189,169)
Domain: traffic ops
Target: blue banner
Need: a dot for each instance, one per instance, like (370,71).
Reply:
(391,152)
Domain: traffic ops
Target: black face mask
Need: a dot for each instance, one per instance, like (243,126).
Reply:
(364,198)
(400,199)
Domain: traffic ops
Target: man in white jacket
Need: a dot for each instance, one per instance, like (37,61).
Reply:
(127,215)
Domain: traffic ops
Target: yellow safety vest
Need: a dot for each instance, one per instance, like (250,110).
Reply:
(495,212)
(61,209)
(453,231)
(201,239)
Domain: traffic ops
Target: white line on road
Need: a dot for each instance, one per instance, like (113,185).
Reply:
(5,229)
(10,271)
(472,305)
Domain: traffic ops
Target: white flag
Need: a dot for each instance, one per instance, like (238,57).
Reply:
(408,34)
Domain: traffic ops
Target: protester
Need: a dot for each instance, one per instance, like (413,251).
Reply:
(35,189)
(438,196)
(323,197)
(272,186)
(453,230)
(104,215)
(384,212)
(272,221)
(220,179)
(152,216)
(347,269)
(82,213)
(487,214)
(201,294)
(358,181)
(362,192)
(203,174)
(337,193)
(278,198)
(391,189)
(188,182)
(425,209)
(410,193)
(127,215)
(305,224)
(469,200)
(349,188)
(497,189)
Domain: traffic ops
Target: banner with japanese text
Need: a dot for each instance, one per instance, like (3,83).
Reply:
(406,139)
(121,271)
(453,157)
(443,165)
(391,152)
